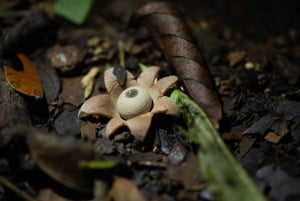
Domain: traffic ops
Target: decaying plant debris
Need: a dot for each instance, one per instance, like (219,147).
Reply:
(252,68)
(167,26)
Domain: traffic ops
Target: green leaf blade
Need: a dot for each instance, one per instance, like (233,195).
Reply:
(224,175)
(74,10)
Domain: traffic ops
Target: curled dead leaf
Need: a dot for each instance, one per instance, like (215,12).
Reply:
(168,29)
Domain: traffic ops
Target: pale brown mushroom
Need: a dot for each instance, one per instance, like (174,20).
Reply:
(146,89)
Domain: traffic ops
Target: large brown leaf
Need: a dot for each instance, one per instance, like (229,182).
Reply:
(167,27)
(59,157)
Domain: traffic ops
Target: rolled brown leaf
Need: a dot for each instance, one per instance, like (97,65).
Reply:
(168,29)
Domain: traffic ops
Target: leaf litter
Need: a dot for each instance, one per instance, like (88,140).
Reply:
(258,103)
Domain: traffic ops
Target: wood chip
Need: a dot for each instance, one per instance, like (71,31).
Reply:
(272,137)
(88,81)
(236,57)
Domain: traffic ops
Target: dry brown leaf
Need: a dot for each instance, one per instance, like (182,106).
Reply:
(24,78)
(72,92)
(49,195)
(59,157)
(235,57)
(165,24)
(49,78)
(245,145)
(272,137)
(187,171)
(125,190)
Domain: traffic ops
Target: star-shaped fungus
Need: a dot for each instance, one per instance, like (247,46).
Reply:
(132,105)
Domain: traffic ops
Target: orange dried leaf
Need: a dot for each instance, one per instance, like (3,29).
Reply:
(236,57)
(273,137)
(26,80)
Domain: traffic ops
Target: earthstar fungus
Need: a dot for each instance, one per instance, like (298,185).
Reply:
(134,104)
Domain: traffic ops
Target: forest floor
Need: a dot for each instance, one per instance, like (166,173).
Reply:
(252,51)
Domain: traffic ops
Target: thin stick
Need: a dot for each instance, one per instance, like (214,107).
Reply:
(6,183)
(121,51)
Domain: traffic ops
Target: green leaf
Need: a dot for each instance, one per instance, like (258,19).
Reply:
(142,66)
(225,176)
(74,10)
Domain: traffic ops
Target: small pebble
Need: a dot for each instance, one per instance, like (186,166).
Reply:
(177,154)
